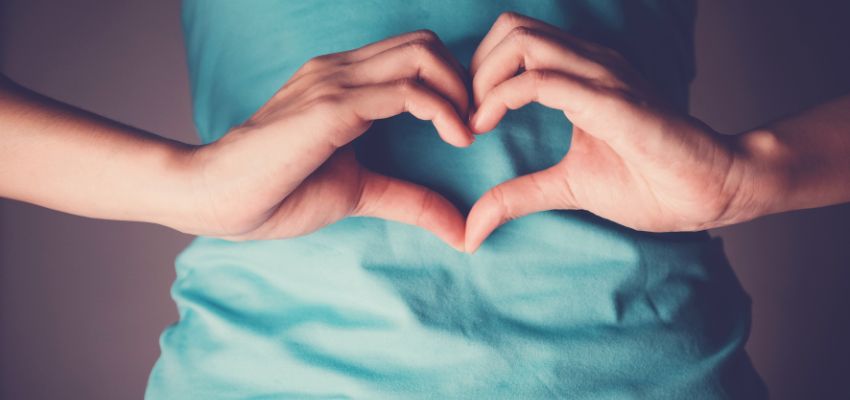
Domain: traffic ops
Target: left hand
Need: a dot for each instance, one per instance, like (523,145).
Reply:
(632,159)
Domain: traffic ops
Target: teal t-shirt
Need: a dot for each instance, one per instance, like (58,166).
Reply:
(559,304)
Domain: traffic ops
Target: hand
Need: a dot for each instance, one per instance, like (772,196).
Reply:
(289,170)
(632,159)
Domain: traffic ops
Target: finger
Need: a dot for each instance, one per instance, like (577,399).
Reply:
(419,59)
(593,109)
(388,99)
(425,35)
(630,127)
(380,46)
(527,49)
(543,190)
(396,200)
(370,50)
(503,26)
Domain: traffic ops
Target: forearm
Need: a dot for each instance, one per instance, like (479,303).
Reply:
(69,160)
(798,162)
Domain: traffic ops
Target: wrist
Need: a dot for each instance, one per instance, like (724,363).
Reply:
(200,216)
(763,163)
(218,178)
(176,198)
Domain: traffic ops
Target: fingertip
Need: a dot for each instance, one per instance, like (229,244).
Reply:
(463,138)
(464,142)
(450,229)
(455,239)
(460,247)
(477,228)
(471,248)
(473,122)
(478,123)
(447,223)
(472,243)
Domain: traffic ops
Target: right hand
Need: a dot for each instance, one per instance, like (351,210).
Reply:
(289,169)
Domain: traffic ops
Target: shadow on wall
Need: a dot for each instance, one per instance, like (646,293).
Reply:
(758,60)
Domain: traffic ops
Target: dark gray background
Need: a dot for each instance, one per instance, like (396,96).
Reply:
(82,302)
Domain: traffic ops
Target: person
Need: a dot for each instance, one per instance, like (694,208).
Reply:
(568,303)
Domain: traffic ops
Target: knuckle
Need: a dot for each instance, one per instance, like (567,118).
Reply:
(508,19)
(327,103)
(421,48)
(407,85)
(368,191)
(539,187)
(318,62)
(426,35)
(331,81)
(521,34)
(566,194)
(525,37)
(322,90)
(539,77)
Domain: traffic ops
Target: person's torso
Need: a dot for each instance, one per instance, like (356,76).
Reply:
(560,303)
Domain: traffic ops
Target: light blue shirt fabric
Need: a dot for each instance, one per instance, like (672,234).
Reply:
(559,304)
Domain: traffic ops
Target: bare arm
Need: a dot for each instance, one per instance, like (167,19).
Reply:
(286,171)
(801,161)
(77,162)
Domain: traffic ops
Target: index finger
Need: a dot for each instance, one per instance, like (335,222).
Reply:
(387,99)
(424,35)
(509,21)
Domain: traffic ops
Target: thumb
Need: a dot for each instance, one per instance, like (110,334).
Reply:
(539,191)
(397,200)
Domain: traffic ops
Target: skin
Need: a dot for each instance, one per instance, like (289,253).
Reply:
(633,159)
(285,172)
(289,170)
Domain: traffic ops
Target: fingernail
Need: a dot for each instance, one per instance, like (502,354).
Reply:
(473,122)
